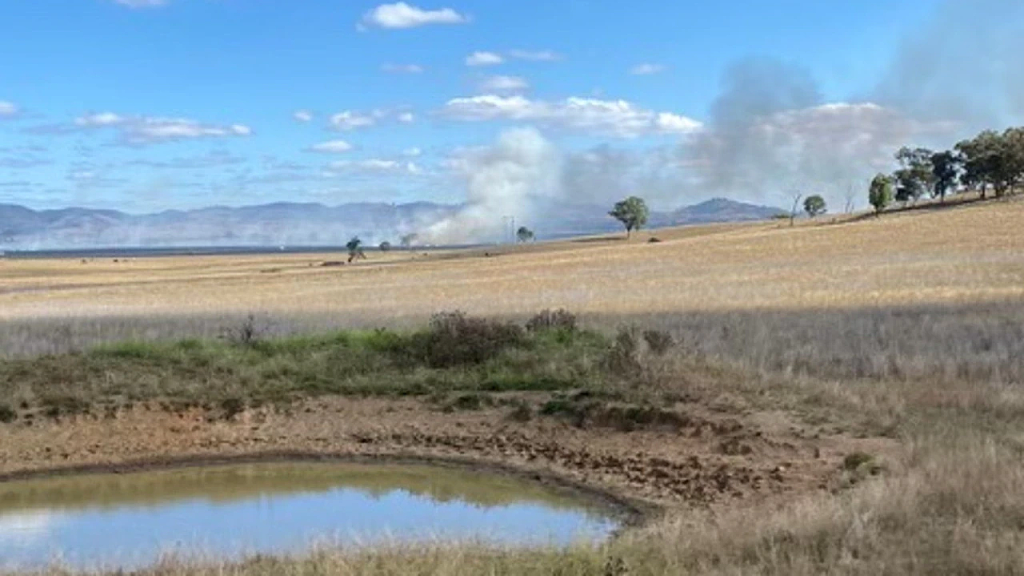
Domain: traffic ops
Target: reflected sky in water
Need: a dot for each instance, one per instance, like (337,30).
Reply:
(128,520)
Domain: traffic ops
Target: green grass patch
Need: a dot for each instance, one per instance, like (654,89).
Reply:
(455,354)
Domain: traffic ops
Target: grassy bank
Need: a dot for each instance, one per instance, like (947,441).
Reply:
(457,361)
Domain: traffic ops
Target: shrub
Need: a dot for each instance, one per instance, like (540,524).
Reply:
(7,414)
(232,406)
(592,413)
(468,402)
(560,319)
(455,339)
(856,460)
(521,413)
(248,333)
(658,342)
(624,356)
(64,405)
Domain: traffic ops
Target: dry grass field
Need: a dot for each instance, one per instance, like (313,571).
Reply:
(905,331)
(968,255)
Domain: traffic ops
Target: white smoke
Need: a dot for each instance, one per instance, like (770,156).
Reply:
(511,179)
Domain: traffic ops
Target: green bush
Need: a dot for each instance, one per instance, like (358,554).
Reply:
(455,339)
(658,342)
(560,319)
(623,357)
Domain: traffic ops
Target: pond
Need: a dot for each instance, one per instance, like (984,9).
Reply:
(129,520)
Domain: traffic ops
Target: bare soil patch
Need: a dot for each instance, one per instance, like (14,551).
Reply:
(710,461)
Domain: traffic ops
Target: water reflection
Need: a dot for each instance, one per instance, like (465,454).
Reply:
(129,519)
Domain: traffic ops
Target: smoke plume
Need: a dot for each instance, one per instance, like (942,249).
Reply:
(771,134)
(963,65)
(509,180)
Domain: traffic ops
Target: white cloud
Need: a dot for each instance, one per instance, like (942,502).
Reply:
(82,175)
(100,119)
(372,166)
(354,119)
(504,84)
(349,120)
(402,15)
(8,109)
(142,3)
(669,122)
(605,117)
(646,69)
(402,68)
(141,130)
(535,55)
(303,116)
(211,159)
(413,152)
(331,147)
(483,59)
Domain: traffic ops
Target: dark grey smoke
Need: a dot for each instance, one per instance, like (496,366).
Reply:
(605,174)
(744,147)
(962,65)
(771,134)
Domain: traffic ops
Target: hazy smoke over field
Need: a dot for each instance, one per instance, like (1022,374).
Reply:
(509,179)
(963,65)
(771,134)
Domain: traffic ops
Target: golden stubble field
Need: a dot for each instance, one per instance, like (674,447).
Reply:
(970,254)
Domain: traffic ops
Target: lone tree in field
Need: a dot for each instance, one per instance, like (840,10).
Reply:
(632,212)
(880,193)
(524,234)
(355,249)
(815,206)
(385,246)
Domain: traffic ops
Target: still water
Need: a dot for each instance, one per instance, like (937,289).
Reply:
(128,520)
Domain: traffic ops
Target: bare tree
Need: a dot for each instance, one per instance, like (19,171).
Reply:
(850,197)
(796,202)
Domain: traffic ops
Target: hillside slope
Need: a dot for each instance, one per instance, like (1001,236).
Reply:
(966,254)
(304,224)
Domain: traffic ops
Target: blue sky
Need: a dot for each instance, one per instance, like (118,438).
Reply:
(147,105)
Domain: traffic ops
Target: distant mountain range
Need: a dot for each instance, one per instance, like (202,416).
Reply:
(298,224)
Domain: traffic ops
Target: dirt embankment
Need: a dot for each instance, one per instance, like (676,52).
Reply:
(703,460)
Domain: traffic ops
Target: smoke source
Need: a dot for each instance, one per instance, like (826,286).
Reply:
(510,179)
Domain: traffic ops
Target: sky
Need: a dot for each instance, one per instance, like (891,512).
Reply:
(150,105)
